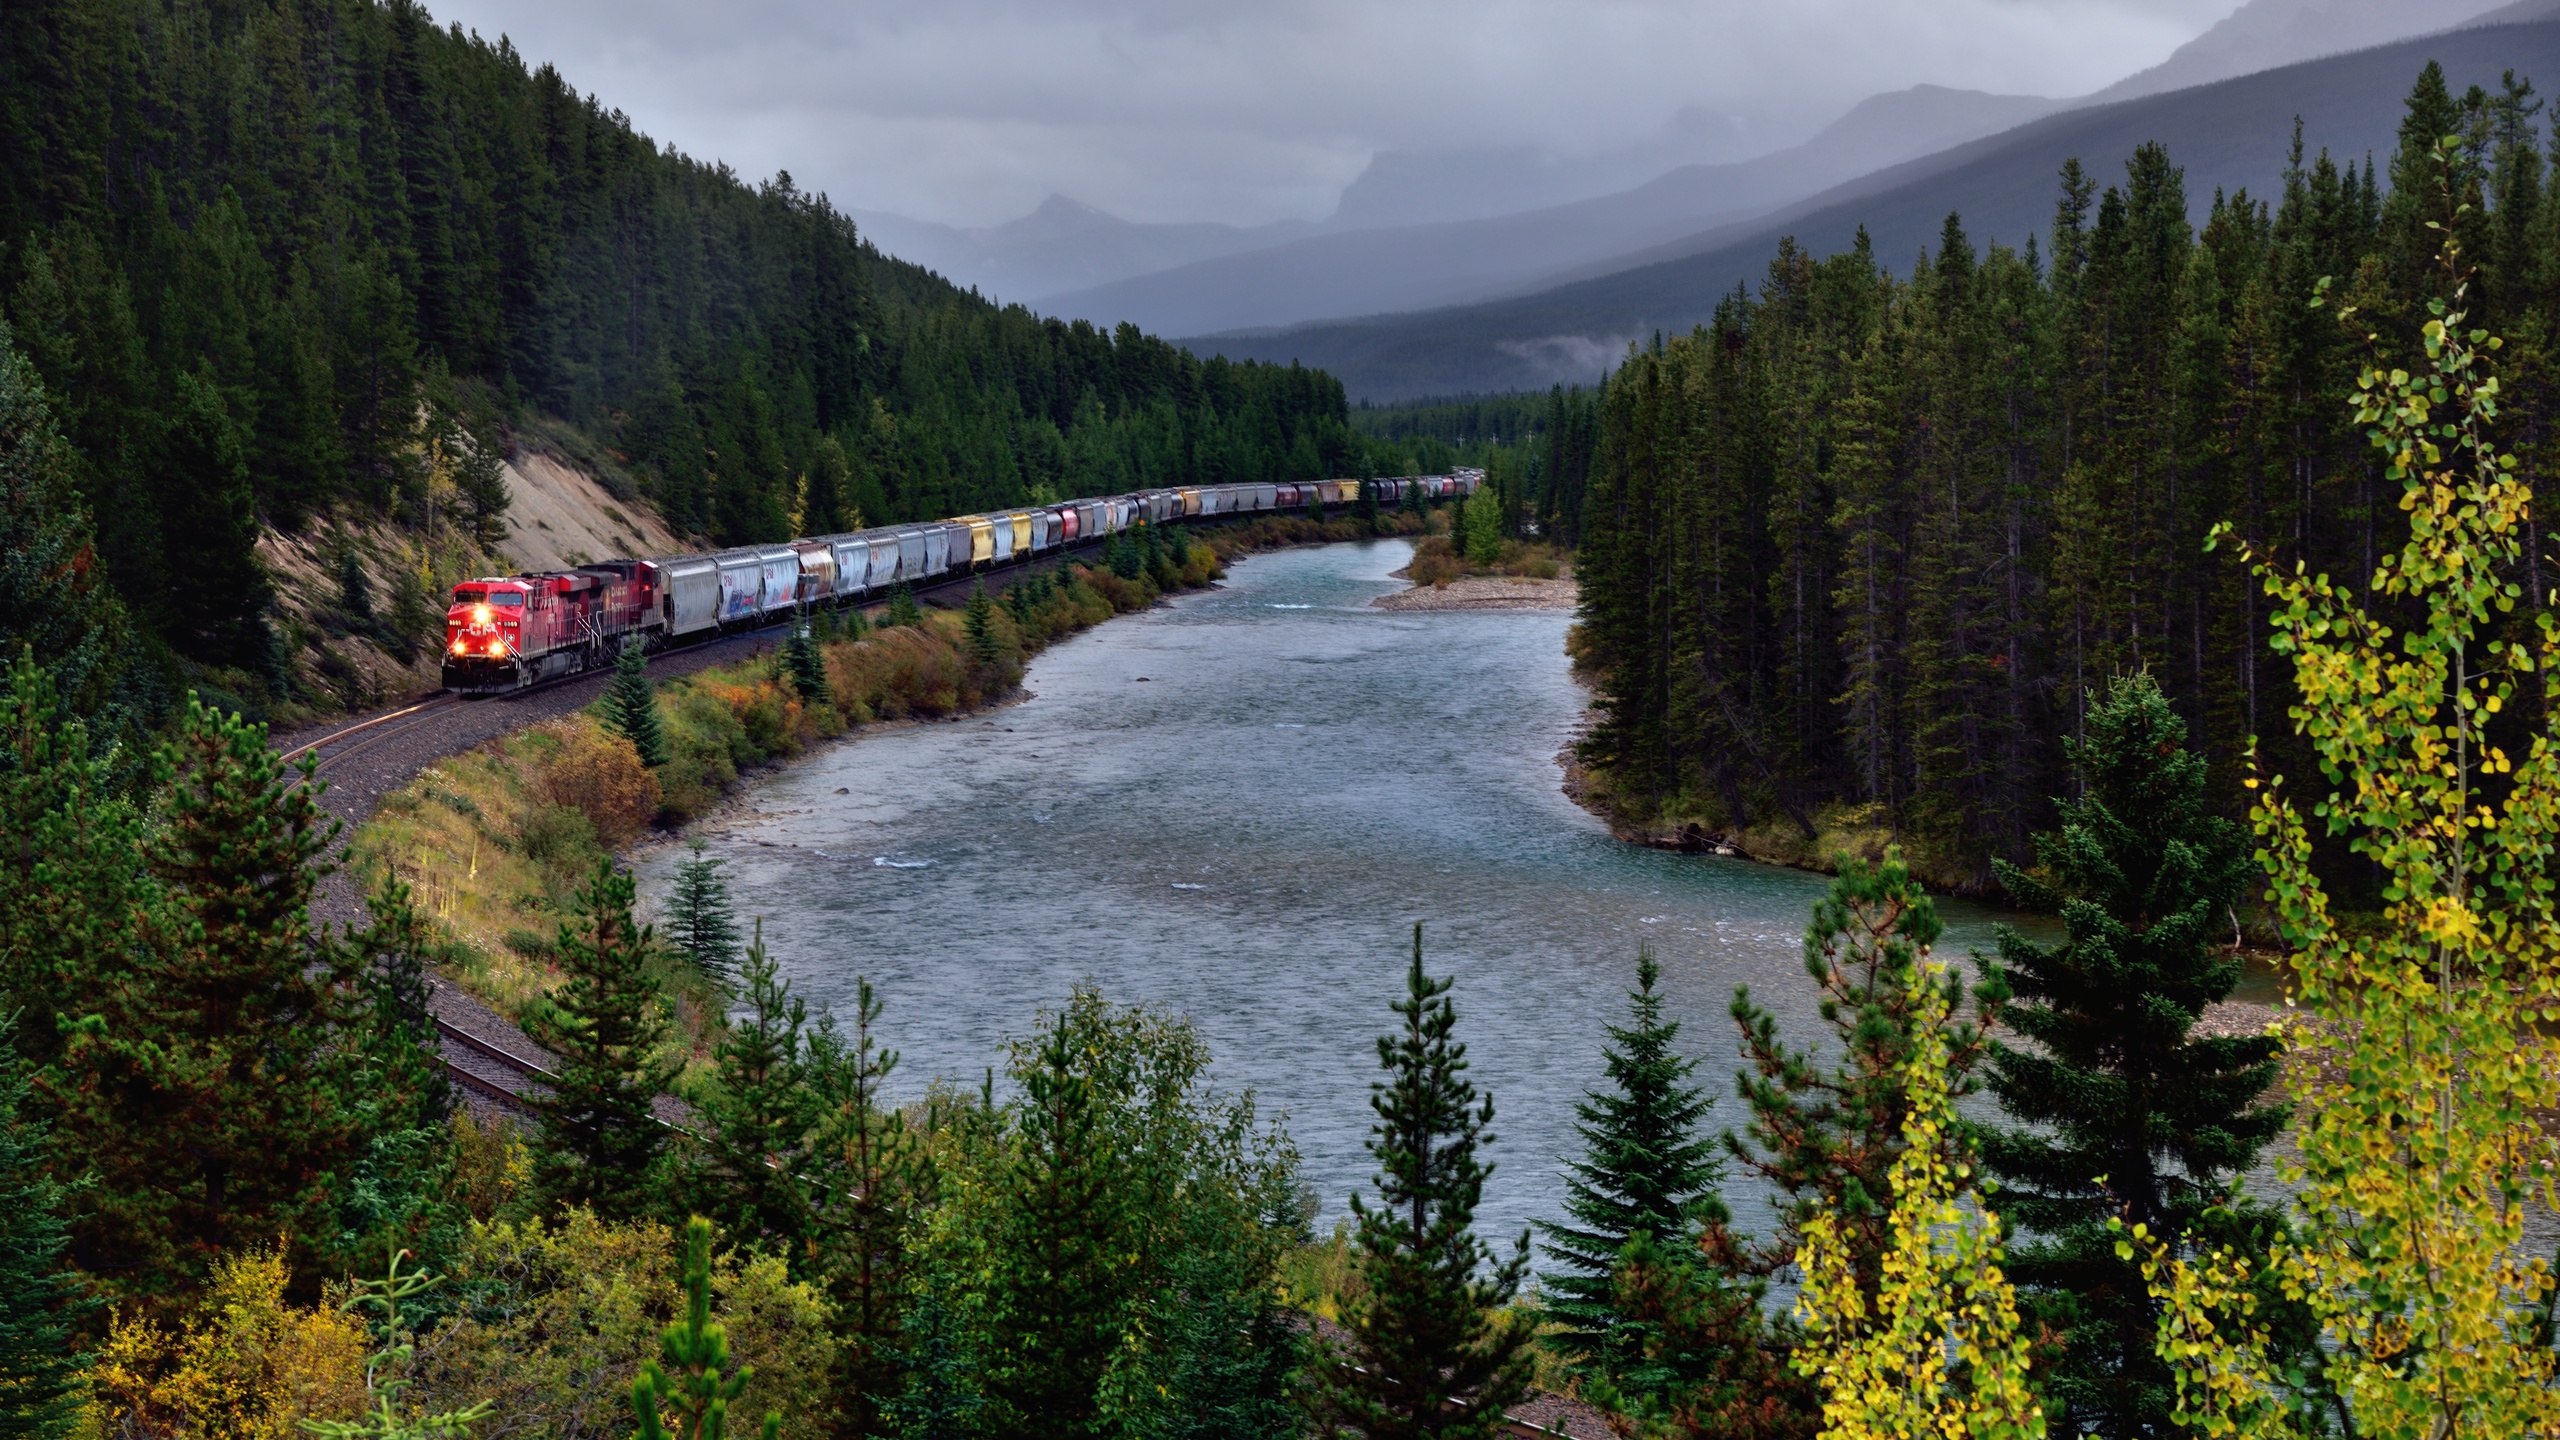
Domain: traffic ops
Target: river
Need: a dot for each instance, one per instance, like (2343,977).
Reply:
(1236,806)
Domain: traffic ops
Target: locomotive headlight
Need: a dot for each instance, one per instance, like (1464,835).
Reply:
(479,614)
(460,645)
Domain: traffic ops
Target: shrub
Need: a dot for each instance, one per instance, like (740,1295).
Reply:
(601,777)
(556,837)
(243,1365)
(560,1318)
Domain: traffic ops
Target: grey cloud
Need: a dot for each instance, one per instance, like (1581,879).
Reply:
(971,111)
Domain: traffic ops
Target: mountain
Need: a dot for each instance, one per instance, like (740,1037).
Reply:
(2229,134)
(2265,34)
(1062,245)
(1415,266)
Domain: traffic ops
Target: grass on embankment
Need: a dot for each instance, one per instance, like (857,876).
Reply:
(497,841)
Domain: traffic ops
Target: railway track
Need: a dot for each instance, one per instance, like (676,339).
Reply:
(489,1069)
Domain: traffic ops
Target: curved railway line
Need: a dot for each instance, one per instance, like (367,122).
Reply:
(492,1062)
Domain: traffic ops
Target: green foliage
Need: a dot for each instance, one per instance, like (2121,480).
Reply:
(600,1144)
(630,705)
(978,622)
(758,1113)
(807,668)
(53,603)
(1930,1343)
(872,1183)
(390,1418)
(1646,1174)
(699,923)
(1826,1130)
(2423,1083)
(2135,1119)
(903,609)
(1873,540)
(212,1070)
(1429,1350)
(39,1365)
(1480,527)
(1103,1259)
(691,1382)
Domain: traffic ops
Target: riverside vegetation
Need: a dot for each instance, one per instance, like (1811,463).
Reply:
(1857,551)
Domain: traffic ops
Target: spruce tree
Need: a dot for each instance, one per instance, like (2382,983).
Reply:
(630,705)
(979,621)
(758,1113)
(1646,1172)
(1428,1351)
(2133,1115)
(903,609)
(39,1369)
(600,1144)
(806,665)
(700,924)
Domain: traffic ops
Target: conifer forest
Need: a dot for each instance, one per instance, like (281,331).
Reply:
(2177,585)
(1866,543)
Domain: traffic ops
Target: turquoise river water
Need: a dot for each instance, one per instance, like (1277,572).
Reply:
(1236,806)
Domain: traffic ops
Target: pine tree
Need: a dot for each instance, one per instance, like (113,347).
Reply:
(2134,1116)
(690,1383)
(873,1184)
(979,621)
(1645,1173)
(407,1089)
(39,1369)
(630,705)
(600,1143)
(903,609)
(805,664)
(758,1114)
(1826,1135)
(1428,1350)
(213,1072)
(700,925)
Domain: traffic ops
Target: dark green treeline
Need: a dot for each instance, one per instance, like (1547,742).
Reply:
(279,258)
(1535,449)
(1868,541)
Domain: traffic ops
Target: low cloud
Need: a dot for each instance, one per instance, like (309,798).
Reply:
(972,111)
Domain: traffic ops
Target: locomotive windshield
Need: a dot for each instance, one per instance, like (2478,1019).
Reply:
(505,597)
(469,594)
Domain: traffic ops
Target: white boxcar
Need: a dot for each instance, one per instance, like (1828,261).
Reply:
(779,569)
(910,555)
(741,585)
(692,595)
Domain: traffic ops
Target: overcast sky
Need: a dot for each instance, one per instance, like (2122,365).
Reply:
(972,111)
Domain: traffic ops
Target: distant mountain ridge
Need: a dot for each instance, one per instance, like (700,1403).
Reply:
(2264,34)
(1413,266)
(2228,134)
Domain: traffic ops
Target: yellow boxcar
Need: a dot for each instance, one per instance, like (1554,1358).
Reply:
(1021,532)
(1190,500)
(982,538)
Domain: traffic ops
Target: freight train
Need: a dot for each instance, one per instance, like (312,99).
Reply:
(505,632)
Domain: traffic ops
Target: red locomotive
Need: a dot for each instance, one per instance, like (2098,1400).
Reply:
(505,632)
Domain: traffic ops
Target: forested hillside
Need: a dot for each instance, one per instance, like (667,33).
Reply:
(1858,551)
(288,259)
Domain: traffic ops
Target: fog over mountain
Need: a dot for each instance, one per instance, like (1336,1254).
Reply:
(2228,135)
